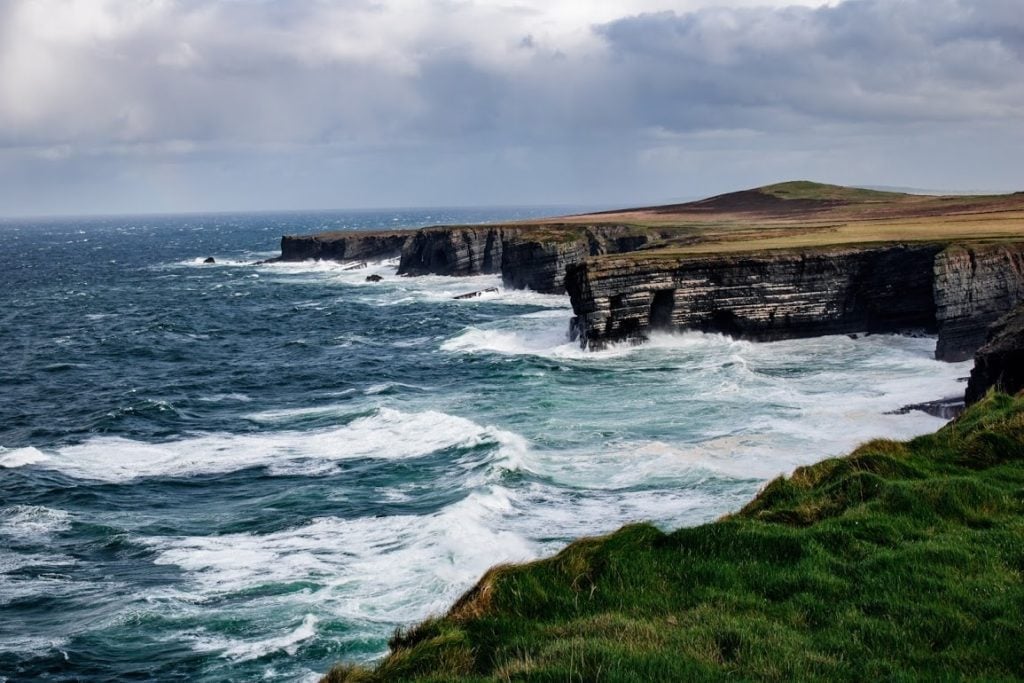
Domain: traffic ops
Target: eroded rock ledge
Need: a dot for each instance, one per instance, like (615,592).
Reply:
(956,291)
(533,257)
(621,290)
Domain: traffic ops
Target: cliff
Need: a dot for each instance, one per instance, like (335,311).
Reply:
(343,246)
(900,561)
(956,291)
(527,256)
(788,260)
(999,364)
(974,286)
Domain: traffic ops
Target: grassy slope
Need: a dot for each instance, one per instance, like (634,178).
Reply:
(901,561)
(802,214)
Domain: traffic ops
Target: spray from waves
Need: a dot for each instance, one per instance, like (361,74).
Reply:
(385,434)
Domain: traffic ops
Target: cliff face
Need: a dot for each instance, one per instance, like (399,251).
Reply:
(999,363)
(343,246)
(974,286)
(541,264)
(453,251)
(762,297)
(526,256)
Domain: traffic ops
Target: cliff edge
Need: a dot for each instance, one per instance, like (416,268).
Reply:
(786,260)
(901,560)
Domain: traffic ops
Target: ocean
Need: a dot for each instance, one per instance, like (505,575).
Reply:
(243,472)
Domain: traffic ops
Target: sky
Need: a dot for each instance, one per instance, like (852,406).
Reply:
(140,106)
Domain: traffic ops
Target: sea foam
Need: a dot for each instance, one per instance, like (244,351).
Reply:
(384,434)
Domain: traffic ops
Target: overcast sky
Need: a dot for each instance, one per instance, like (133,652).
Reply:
(110,106)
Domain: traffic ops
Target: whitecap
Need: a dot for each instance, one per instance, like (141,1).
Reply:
(19,457)
(385,434)
(33,521)
(243,650)
(388,569)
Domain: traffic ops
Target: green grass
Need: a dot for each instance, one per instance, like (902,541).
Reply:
(899,562)
(806,189)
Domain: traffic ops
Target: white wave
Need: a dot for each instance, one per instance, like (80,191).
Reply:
(221,398)
(370,569)
(386,434)
(244,650)
(548,342)
(33,521)
(19,457)
(14,586)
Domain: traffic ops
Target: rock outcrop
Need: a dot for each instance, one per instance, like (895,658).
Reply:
(531,257)
(955,291)
(974,286)
(344,246)
(540,262)
(453,251)
(999,364)
(755,296)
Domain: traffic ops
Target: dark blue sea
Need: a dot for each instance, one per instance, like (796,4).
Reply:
(244,472)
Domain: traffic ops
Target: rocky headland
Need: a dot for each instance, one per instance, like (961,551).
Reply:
(789,260)
(899,560)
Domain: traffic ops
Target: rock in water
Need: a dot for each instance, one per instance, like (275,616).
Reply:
(209,260)
(374,278)
(471,295)
(999,363)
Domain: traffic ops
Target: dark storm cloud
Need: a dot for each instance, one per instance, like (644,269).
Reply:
(232,103)
(863,61)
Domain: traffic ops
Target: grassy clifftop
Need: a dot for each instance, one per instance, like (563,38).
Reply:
(901,561)
(802,214)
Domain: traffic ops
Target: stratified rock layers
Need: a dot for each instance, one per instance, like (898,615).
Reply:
(974,286)
(776,295)
(526,256)
(343,246)
(999,364)
(956,291)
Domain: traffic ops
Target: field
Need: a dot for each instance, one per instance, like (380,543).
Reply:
(805,214)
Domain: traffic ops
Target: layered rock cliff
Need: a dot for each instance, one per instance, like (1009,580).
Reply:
(533,257)
(956,291)
(343,246)
(757,296)
(974,286)
(454,251)
(999,364)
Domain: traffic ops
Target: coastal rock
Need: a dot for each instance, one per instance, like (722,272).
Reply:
(764,296)
(209,260)
(374,278)
(974,286)
(453,251)
(344,246)
(999,363)
(540,262)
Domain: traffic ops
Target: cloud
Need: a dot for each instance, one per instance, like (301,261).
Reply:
(649,83)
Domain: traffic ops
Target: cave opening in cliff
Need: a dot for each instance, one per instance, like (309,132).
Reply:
(439,261)
(662,305)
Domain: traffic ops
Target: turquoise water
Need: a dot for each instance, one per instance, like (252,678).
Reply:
(239,471)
